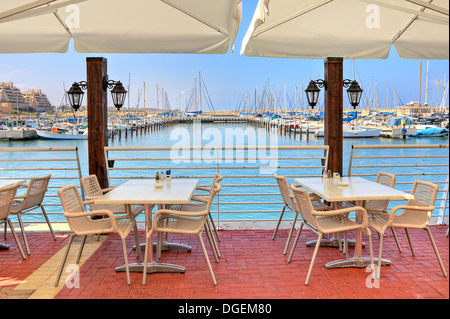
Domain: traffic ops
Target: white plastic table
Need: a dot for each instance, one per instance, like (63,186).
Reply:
(8,182)
(143,192)
(359,190)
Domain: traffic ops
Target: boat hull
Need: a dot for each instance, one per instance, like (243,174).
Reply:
(60,136)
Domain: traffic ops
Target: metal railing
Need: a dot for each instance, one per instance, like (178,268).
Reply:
(249,191)
(63,163)
(409,163)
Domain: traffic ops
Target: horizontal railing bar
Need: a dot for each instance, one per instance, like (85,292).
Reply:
(38,169)
(38,149)
(408,165)
(215,148)
(213,158)
(40,160)
(396,146)
(204,167)
(378,157)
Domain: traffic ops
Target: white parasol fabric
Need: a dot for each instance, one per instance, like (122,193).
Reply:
(118,26)
(351,29)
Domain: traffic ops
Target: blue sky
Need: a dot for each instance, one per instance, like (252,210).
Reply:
(227,77)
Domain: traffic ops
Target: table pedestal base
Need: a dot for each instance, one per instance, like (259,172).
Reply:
(356,263)
(153,268)
(4,246)
(168,247)
(331,242)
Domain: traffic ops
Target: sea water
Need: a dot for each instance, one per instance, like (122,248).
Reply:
(219,134)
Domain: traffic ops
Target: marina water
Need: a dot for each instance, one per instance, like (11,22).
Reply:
(191,134)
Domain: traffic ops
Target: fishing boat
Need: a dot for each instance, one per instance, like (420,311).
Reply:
(58,134)
(355,132)
(433,132)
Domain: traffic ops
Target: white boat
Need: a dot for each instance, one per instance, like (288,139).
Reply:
(355,132)
(54,134)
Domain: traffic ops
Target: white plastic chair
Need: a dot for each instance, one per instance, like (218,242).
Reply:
(32,199)
(7,194)
(81,224)
(292,206)
(415,214)
(190,219)
(326,222)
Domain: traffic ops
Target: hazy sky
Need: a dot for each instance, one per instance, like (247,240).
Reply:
(227,77)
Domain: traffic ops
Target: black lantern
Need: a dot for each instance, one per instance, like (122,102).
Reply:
(75,95)
(354,94)
(313,91)
(118,94)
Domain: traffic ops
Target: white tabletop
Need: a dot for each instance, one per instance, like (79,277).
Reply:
(8,182)
(143,191)
(358,189)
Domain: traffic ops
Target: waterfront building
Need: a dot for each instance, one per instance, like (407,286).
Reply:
(12,99)
(412,109)
(38,100)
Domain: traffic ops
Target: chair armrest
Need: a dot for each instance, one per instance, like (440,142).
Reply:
(342,211)
(101,212)
(89,201)
(23,196)
(203,199)
(395,209)
(105,190)
(201,188)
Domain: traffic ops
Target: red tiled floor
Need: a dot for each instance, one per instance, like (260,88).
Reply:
(252,266)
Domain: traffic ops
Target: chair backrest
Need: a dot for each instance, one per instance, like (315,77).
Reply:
(284,189)
(386,179)
(37,187)
(7,194)
(91,186)
(214,190)
(305,206)
(425,193)
(71,202)
(218,178)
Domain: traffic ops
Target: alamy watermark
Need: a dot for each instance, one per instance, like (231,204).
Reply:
(373,19)
(209,146)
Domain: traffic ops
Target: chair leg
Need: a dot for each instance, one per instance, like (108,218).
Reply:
(125,256)
(396,239)
(66,253)
(313,259)
(211,229)
(214,227)
(48,222)
(291,231)
(410,242)
(295,242)
(278,224)
(22,228)
(436,251)
(212,243)
(207,258)
(16,238)
(81,249)
(380,254)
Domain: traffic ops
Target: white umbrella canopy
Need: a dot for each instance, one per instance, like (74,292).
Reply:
(351,29)
(115,26)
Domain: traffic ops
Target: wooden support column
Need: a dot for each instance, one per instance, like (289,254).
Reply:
(97,104)
(334,108)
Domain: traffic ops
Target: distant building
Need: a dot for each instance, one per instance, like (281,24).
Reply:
(37,100)
(412,109)
(31,101)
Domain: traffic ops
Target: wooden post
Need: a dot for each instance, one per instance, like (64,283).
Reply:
(97,104)
(334,108)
